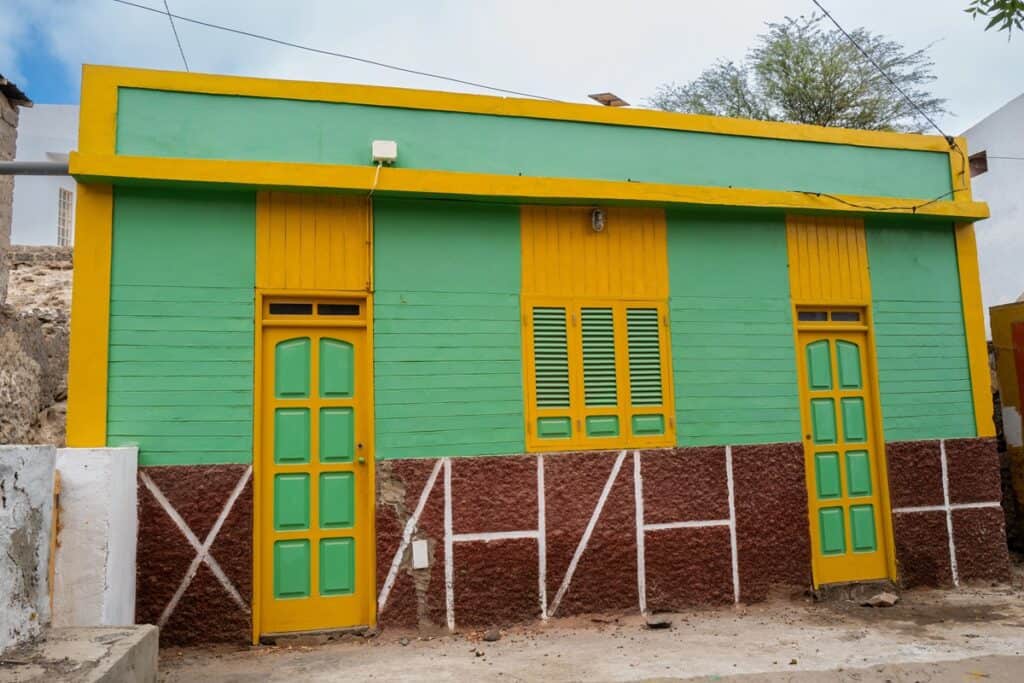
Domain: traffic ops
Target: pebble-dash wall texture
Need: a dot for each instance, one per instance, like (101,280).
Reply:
(518,545)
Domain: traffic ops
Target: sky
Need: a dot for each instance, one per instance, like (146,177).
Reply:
(563,49)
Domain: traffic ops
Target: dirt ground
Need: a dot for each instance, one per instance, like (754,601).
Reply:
(969,634)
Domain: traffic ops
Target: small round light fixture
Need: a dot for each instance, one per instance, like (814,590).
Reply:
(597,220)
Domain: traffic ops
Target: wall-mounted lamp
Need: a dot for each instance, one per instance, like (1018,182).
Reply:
(597,220)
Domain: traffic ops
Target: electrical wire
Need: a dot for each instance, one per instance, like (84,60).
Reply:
(170,18)
(993,156)
(886,76)
(950,140)
(330,53)
(912,208)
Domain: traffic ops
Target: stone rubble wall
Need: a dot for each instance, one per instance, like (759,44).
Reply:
(34,346)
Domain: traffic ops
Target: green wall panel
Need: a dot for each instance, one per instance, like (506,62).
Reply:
(447,359)
(181,326)
(192,125)
(923,376)
(732,334)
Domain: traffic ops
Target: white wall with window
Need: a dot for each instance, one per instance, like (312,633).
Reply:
(44,205)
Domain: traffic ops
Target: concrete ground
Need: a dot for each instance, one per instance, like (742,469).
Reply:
(971,634)
(85,654)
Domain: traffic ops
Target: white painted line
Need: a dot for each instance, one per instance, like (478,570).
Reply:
(953,506)
(202,549)
(488,536)
(585,539)
(449,569)
(641,561)
(732,526)
(695,524)
(949,513)
(542,545)
(410,528)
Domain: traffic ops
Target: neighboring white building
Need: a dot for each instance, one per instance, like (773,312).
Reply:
(44,206)
(996,146)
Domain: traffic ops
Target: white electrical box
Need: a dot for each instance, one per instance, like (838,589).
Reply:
(420,558)
(385,152)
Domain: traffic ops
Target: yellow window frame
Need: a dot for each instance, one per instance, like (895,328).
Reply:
(578,411)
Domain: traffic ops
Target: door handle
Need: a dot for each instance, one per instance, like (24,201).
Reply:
(361,460)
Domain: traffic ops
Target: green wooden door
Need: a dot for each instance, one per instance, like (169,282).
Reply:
(841,458)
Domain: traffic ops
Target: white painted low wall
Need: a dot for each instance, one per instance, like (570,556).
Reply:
(26,518)
(94,572)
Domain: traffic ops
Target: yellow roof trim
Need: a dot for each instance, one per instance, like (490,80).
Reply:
(284,175)
(101,83)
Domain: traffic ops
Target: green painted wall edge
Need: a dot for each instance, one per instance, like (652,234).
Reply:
(732,332)
(181,326)
(200,126)
(447,333)
(923,371)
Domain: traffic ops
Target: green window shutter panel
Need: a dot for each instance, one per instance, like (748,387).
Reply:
(644,356)
(551,357)
(599,386)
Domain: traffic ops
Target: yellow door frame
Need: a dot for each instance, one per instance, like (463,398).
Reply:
(875,425)
(262,298)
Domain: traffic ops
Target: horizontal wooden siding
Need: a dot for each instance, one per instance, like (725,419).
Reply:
(181,326)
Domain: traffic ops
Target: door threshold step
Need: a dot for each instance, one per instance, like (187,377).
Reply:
(858,591)
(317,637)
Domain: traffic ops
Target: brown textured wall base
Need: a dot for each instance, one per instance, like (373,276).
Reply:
(922,536)
(585,509)
(590,532)
(205,612)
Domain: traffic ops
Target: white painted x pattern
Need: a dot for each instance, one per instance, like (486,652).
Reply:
(202,549)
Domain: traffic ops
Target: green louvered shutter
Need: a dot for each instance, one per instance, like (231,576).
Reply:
(551,371)
(599,388)
(645,388)
(644,356)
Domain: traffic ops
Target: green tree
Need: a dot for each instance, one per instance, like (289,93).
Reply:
(1003,15)
(802,71)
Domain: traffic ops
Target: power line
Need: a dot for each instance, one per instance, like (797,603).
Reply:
(950,140)
(170,18)
(330,53)
(993,156)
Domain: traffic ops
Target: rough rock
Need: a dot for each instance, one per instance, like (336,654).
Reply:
(34,346)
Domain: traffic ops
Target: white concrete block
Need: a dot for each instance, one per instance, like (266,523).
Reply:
(94,573)
(26,518)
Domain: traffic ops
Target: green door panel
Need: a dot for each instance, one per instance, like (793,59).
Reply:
(826,473)
(291,569)
(337,369)
(602,425)
(854,424)
(337,500)
(599,386)
(823,417)
(833,533)
(291,435)
(858,473)
(819,366)
(291,368)
(848,360)
(291,502)
(337,566)
(648,425)
(862,528)
(554,427)
(337,434)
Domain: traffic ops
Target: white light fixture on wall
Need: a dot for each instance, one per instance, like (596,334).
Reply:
(597,220)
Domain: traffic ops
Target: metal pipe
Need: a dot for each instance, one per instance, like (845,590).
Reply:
(33,168)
